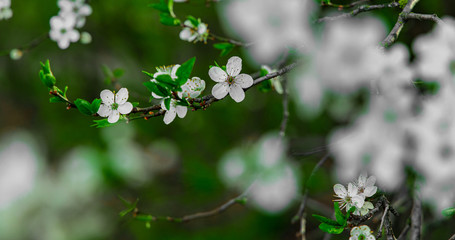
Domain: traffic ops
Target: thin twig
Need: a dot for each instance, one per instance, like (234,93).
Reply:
(427,17)
(452,238)
(187,218)
(284,120)
(361,9)
(29,46)
(305,188)
(386,211)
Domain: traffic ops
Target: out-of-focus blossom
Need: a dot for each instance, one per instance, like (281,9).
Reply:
(230,81)
(5,9)
(192,33)
(271,26)
(62,30)
(265,165)
(75,7)
(435,52)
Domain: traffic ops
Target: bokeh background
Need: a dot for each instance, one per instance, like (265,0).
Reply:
(61,178)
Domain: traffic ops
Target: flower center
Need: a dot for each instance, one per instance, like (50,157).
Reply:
(361,237)
(230,80)
(114,106)
(63,30)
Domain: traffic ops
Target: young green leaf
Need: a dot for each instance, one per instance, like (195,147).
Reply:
(167,103)
(118,72)
(148,74)
(448,212)
(168,20)
(95,105)
(184,71)
(329,221)
(339,216)
(56,99)
(330,228)
(83,106)
(129,206)
(102,123)
(225,48)
(157,89)
(166,79)
(162,6)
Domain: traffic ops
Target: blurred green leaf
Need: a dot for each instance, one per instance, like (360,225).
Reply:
(168,20)
(448,212)
(323,219)
(330,228)
(161,6)
(129,206)
(225,48)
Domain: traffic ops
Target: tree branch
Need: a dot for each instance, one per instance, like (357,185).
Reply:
(284,121)
(361,9)
(416,217)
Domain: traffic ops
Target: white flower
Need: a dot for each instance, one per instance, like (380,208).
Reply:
(230,81)
(366,186)
(367,206)
(173,110)
(165,70)
(62,30)
(361,233)
(349,197)
(77,7)
(112,107)
(193,33)
(192,88)
(5,9)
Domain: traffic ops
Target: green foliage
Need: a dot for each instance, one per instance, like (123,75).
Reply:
(86,108)
(403,3)
(162,6)
(167,80)
(157,89)
(167,103)
(102,123)
(265,86)
(184,71)
(46,76)
(448,212)
(167,19)
(193,20)
(130,206)
(225,48)
(334,227)
(425,87)
(111,74)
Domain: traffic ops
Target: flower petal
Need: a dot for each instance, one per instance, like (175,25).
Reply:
(370,191)
(217,74)
(122,96)
(104,110)
(125,108)
(234,66)
(362,180)
(220,90)
(185,34)
(236,92)
(358,201)
(169,116)
(352,189)
(107,97)
(174,71)
(340,190)
(113,118)
(244,80)
(181,111)
(370,181)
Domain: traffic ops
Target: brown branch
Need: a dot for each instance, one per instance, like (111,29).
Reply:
(452,238)
(361,9)
(29,46)
(416,217)
(427,17)
(402,18)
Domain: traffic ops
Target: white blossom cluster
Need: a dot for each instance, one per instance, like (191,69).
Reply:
(194,33)
(191,89)
(71,16)
(5,9)
(356,193)
(361,233)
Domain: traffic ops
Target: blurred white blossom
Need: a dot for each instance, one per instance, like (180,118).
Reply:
(194,33)
(5,9)
(271,26)
(75,8)
(63,31)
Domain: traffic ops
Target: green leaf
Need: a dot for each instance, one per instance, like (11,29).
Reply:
(167,103)
(264,72)
(183,102)
(157,89)
(193,20)
(326,220)
(148,74)
(241,201)
(330,228)
(166,79)
(129,206)
(135,104)
(95,105)
(118,72)
(102,123)
(339,216)
(83,106)
(66,90)
(168,20)
(48,79)
(184,71)
(225,48)
(265,86)
(162,6)
(425,87)
(56,99)
(170,6)
(448,212)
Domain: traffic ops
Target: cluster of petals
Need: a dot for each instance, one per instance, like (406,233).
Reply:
(356,193)
(5,9)
(114,104)
(191,89)
(71,16)
(230,81)
(192,33)
(361,233)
